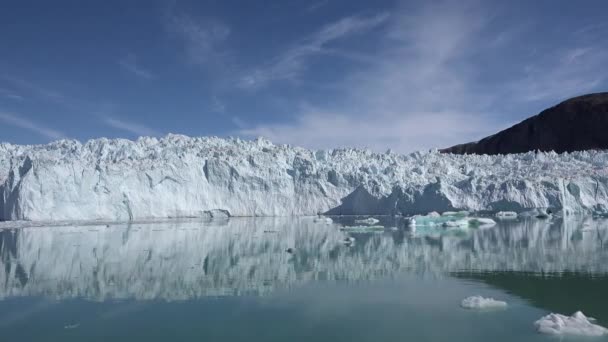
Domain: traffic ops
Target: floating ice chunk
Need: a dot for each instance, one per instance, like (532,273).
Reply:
(506,215)
(479,302)
(322,219)
(456,223)
(71,326)
(369,221)
(462,213)
(433,214)
(482,222)
(577,324)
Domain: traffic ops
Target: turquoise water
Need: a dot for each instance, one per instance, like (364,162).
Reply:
(234,281)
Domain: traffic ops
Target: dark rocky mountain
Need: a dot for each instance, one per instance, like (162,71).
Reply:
(580,123)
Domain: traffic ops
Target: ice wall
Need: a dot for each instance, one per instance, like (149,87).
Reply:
(178,176)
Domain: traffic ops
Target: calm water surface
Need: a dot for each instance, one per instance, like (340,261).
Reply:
(233,280)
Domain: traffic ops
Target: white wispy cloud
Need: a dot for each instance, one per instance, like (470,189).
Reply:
(130,64)
(10,95)
(317,5)
(37,90)
(288,65)
(20,121)
(131,127)
(202,38)
(424,91)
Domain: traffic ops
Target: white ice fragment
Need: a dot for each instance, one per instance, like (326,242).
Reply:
(456,224)
(506,215)
(481,222)
(577,324)
(370,221)
(462,213)
(479,302)
(433,214)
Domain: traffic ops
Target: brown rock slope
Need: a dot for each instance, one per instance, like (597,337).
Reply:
(580,123)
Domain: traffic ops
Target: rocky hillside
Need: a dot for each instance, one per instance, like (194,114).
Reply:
(577,124)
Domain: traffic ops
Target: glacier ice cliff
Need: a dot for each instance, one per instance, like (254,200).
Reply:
(178,176)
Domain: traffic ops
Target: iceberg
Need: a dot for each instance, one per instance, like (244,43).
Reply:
(577,324)
(479,302)
(183,177)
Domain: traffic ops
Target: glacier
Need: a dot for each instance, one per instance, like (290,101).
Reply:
(178,177)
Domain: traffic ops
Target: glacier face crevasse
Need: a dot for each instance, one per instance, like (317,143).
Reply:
(178,176)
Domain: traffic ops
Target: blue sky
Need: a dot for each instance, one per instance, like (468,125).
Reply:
(405,75)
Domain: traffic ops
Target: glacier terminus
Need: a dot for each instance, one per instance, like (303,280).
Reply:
(178,176)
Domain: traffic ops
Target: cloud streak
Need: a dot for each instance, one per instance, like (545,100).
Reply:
(438,80)
(291,63)
(130,64)
(202,39)
(21,122)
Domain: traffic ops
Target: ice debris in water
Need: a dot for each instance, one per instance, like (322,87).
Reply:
(458,220)
(481,222)
(370,221)
(506,215)
(479,302)
(577,324)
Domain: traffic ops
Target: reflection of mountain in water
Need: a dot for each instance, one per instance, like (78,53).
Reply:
(174,260)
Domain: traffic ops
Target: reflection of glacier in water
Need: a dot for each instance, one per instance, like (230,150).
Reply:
(181,260)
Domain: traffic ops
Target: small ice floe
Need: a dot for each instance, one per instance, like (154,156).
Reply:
(369,220)
(480,303)
(482,222)
(456,224)
(506,215)
(71,326)
(460,220)
(577,324)
(323,219)
(462,213)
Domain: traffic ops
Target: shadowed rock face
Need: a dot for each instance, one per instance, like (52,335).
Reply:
(577,124)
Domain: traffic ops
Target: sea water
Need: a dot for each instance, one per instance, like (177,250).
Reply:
(297,279)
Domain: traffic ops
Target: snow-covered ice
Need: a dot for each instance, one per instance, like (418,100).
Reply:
(479,302)
(178,176)
(577,324)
